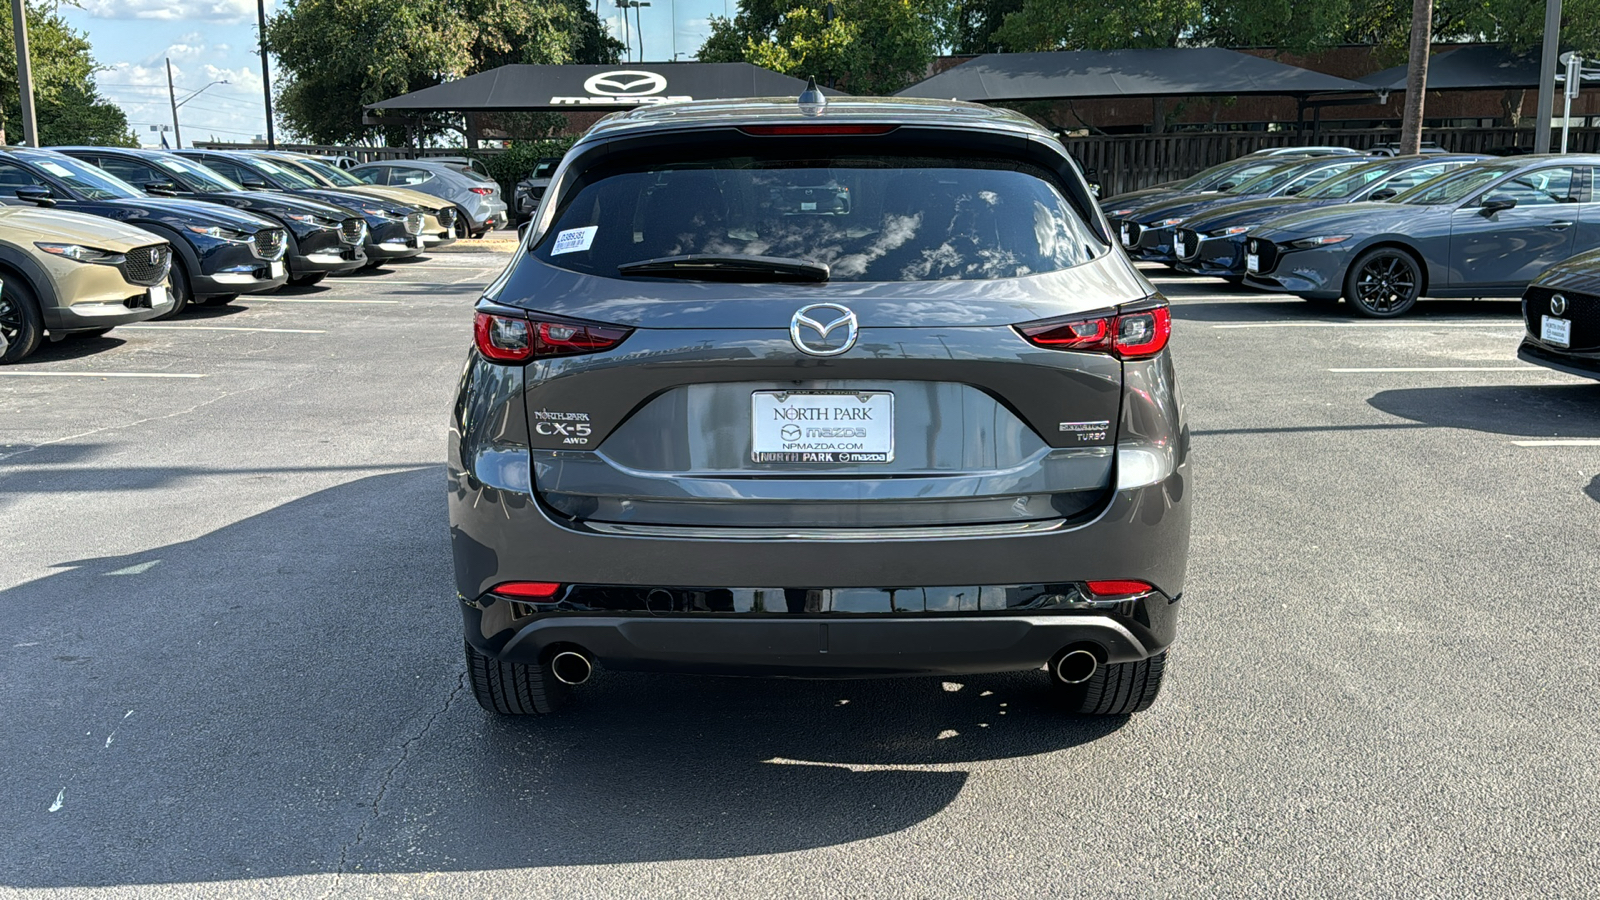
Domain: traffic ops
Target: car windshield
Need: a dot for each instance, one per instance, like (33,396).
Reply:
(197,177)
(1270,180)
(866,218)
(285,174)
(1453,187)
(89,182)
(330,173)
(1349,182)
(1211,176)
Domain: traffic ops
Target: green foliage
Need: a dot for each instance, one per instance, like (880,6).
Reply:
(870,46)
(518,160)
(336,56)
(67,107)
(970,25)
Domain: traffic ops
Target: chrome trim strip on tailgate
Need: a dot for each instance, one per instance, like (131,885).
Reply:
(917,533)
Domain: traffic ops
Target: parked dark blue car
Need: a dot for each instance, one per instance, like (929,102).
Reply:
(1484,230)
(1562,312)
(219,252)
(323,238)
(1212,242)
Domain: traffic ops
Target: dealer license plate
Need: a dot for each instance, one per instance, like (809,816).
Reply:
(1252,263)
(1127,236)
(1555,331)
(276,269)
(822,427)
(158,296)
(1179,248)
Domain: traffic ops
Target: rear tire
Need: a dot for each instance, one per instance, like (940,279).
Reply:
(20,318)
(1118,689)
(178,286)
(1383,283)
(460,226)
(513,689)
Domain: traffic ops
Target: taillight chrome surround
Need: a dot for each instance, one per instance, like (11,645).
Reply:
(514,339)
(1136,331)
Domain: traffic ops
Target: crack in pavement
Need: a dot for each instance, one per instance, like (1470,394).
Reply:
(383,784)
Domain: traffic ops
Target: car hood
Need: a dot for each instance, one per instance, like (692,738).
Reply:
(1580,273)
(1137,201)
(1245,212)
(54,225)
(274,200)
(1184,206)
(193,212)
(403,196)
(353,200)
(1354,218)
(535,285)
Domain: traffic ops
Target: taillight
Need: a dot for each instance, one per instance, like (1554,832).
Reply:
(1139,334)
(526,590)
(509,339)
(483,191)
(1119,588)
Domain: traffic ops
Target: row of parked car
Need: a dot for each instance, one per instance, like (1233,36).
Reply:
(96,237)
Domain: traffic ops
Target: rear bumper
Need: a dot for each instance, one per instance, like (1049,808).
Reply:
(815,646)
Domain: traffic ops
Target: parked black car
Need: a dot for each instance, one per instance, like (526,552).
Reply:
(323,238)
(393,230)
(1219,177)
(220,252)
(1562,312)
(525,199)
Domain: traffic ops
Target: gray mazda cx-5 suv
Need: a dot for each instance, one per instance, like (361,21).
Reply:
(778,388)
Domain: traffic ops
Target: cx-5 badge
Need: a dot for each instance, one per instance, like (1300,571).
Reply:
(811,318)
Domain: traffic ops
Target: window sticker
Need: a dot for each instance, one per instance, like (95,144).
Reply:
(574,239)
(56,169)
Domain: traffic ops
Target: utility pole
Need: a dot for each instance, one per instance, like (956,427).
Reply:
(1417,76)
(172,97)
(266,78)
(1547,76)
(19,25)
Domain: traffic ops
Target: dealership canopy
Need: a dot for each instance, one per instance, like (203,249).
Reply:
(1474,67)
(566,88)
(1160,72)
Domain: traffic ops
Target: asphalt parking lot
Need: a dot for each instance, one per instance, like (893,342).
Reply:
(232,663)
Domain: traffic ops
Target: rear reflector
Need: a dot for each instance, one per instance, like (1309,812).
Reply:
(1131,335)
(777,130)
(1118,588)
(527,590)
(513,340)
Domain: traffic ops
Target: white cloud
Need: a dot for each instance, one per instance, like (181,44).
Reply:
(174,10)
(227,112)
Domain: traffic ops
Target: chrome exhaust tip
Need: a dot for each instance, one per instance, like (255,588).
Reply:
(1076,666)
(571,667)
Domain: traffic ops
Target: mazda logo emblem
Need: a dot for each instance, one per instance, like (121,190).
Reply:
(625,82)
(1558,305)
(822,320)
(155,256)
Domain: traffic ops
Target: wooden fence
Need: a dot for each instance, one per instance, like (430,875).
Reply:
(1127,162)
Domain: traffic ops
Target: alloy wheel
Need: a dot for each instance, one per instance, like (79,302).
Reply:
(1386,285)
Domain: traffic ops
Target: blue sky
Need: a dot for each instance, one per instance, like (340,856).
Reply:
(215,40)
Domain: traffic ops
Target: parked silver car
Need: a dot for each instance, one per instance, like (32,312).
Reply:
(479,207)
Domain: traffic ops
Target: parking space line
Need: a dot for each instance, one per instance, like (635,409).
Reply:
(220,328)
(1564,442)
(1503,325)
(312,300)
(1445,369)
(5,372)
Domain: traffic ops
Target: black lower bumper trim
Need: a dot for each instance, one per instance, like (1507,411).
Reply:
(1583,366)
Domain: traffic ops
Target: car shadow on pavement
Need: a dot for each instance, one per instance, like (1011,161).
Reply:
(285,696)
(1593,490)
(1528,410)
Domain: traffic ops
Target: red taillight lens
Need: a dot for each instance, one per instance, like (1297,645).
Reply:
(484,191)
(1118,588)
(526,590)
(782,130)
(1131,335)
(509,339)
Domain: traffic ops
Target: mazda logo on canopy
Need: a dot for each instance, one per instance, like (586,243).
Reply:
(623,87)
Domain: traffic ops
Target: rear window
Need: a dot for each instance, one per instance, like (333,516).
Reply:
(867,218)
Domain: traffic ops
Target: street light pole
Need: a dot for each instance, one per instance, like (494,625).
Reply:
(19,26)
(266,78)
(1547,76)
(172,97)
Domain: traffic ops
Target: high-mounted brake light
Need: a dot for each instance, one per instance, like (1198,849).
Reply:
(513,340)
(779,130)
(526,590)
(1119,588)
(1138,334)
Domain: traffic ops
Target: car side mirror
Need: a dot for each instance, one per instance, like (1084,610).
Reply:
(1227,185)
(522,231)
(1295,190)
(1384,194)
(161,189)
(255,184)
(1496,204)
(39,196)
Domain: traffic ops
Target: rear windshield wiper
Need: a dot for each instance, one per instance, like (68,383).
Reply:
(720,267)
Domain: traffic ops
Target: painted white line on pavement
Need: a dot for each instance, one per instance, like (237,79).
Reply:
(220,328)
(310,300)
(1448,369)
(443,284)
(1500,325)
(5,372)
(1561,442)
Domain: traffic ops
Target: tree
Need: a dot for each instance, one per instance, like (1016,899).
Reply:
(866,47)
(68,107)
(336,56)
(1416,75)
(970,25)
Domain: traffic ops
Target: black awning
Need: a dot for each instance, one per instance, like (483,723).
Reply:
(1160,72)
(1474,67)
(566,88)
